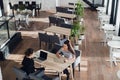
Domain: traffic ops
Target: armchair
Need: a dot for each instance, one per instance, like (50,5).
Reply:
(20,74)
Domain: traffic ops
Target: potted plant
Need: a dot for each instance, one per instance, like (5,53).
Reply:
(79,10)
(75,32)
(82,31)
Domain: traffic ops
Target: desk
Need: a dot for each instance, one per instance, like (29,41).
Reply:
(51,63)
(113,45)
(58,30)
(65,15)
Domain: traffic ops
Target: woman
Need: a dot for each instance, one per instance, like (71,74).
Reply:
(68,52)
(28,62)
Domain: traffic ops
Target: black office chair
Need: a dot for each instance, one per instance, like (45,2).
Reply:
(33,4)
(69,26)
(60,21)
(52,40)
(52,20)
(77,60)
(43,37)
(12,8)
(27,4)
(71,3)
(55,48)
(61,9)
(20,2)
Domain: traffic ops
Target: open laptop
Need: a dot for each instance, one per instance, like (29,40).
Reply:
(43,55)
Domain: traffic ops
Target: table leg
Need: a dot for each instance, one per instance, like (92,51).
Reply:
(59,75)
(71,72)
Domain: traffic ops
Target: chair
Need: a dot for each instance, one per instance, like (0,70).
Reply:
(33,4)
(55,48)
(77,60)
(20,74)
(53,39)
(60,21)
(23,22)
(12,8)
(43,37)
(20,2)
(60,9)
(71,3)
(43,77)
(69,26)
(27,4)
(52,20)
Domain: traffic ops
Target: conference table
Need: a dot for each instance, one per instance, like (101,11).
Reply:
(54,63)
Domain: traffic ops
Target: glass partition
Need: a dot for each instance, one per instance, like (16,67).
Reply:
(3,33)
(11,27)
(7,28)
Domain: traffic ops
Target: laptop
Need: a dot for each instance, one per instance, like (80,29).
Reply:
(42,56)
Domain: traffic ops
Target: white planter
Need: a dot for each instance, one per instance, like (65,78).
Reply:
(76,47)
(82,37)
(79,41)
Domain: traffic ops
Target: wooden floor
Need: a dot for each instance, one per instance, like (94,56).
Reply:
(94,54)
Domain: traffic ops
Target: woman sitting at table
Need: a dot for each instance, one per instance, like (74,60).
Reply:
(28,62)
(68,52)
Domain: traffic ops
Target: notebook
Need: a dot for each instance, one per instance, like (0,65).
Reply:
(43,55)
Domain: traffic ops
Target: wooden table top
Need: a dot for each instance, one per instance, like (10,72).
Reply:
(53,62)
(58,30)
(65,15)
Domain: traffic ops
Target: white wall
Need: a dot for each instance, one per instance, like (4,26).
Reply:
(118,19)
(109,7)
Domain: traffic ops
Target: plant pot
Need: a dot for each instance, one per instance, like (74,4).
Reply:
(82,36)
(79,41)
(76,47)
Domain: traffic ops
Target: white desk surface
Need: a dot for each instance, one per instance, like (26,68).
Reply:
(114,44)
(108,27)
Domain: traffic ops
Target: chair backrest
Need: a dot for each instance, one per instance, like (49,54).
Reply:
(60,21)
(43,37)
(52,20)
(11,7)
(54,39)
(60,9)
(20,2)
(71,3)
(20,73)
(78,57)
(55,48)
(33,3)
(27,19)
(27,3)
(66,26)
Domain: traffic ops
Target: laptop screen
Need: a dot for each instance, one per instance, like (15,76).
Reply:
(43,55)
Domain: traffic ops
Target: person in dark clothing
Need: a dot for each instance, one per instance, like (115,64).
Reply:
(28,62)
